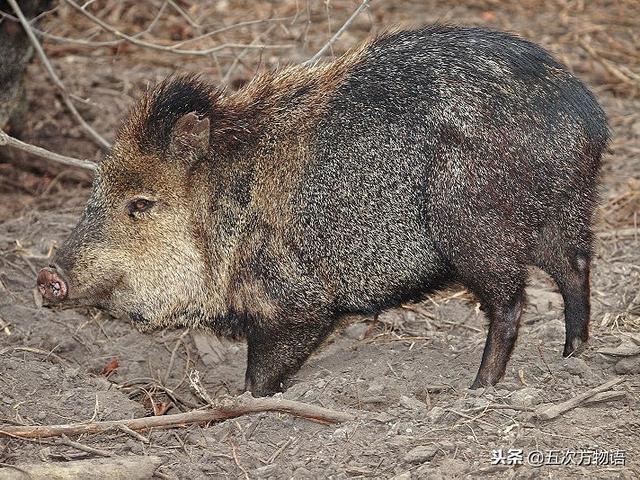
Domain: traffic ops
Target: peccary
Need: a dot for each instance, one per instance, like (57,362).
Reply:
(419,159)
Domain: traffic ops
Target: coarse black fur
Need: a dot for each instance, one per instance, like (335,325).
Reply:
(172,100)
(423,158)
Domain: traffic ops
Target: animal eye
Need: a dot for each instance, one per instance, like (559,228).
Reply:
(139,205)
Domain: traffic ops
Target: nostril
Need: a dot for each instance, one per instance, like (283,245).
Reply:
(51,285)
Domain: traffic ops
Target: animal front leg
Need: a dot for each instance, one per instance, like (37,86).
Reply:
(275,354)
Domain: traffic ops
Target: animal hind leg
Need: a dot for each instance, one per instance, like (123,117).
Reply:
(569,266)
(504,312)
(572,277)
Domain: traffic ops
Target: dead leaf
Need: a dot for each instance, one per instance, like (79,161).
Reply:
(161,408)
(111,366)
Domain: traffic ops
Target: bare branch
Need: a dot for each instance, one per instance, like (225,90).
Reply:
(184,14)
(227,28)
(59,39)
(238,57)
(225,409)
(131,467)
(41,152)
(336,35)
(45,61)
(553,411)
(111,43)
(163,48)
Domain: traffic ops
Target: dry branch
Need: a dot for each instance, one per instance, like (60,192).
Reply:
(163,48)
(43,153)
(132,467)
(58,38)
(224,409)
(63,90)
(549,413)
(336,35)
(606,397)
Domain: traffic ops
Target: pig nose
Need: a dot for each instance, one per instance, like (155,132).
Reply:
(51,285)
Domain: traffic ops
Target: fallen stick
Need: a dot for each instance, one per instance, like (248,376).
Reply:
(549,413)
(6,139)
(224,409)
(606,397)
(131,467)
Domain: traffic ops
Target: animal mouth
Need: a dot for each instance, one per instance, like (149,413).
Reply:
(52,285)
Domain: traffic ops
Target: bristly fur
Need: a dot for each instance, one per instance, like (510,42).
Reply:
(418,159)
(152,119)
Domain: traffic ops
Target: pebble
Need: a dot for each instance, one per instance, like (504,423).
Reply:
(399,440)
(436,414)
(412,403)
(134,446)
(526,397)
(265,471)
(577,366)
(628,366)
(421,454)
(382,417)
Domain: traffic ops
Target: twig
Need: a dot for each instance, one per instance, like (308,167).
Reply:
(163,48)
(606,397)
(336,35)
(85,448)
(549,413)
(45,61)
(230,407)
(279,451)
(238,57)
(222,29)
(43,153)
(60,39)
(134,434)
(184,14)
(235,459)
(37,351)
(194,381)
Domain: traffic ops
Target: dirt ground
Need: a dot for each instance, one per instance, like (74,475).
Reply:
(405,374)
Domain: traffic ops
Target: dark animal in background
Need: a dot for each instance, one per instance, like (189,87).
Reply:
(15,54)
(421,158)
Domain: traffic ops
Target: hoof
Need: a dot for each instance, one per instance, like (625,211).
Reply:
(574,347)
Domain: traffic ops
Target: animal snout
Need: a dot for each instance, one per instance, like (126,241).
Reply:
(51,285)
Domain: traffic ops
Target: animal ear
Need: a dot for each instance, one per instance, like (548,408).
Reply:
(191,132)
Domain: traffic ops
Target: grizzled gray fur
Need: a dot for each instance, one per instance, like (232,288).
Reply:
(419,159)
